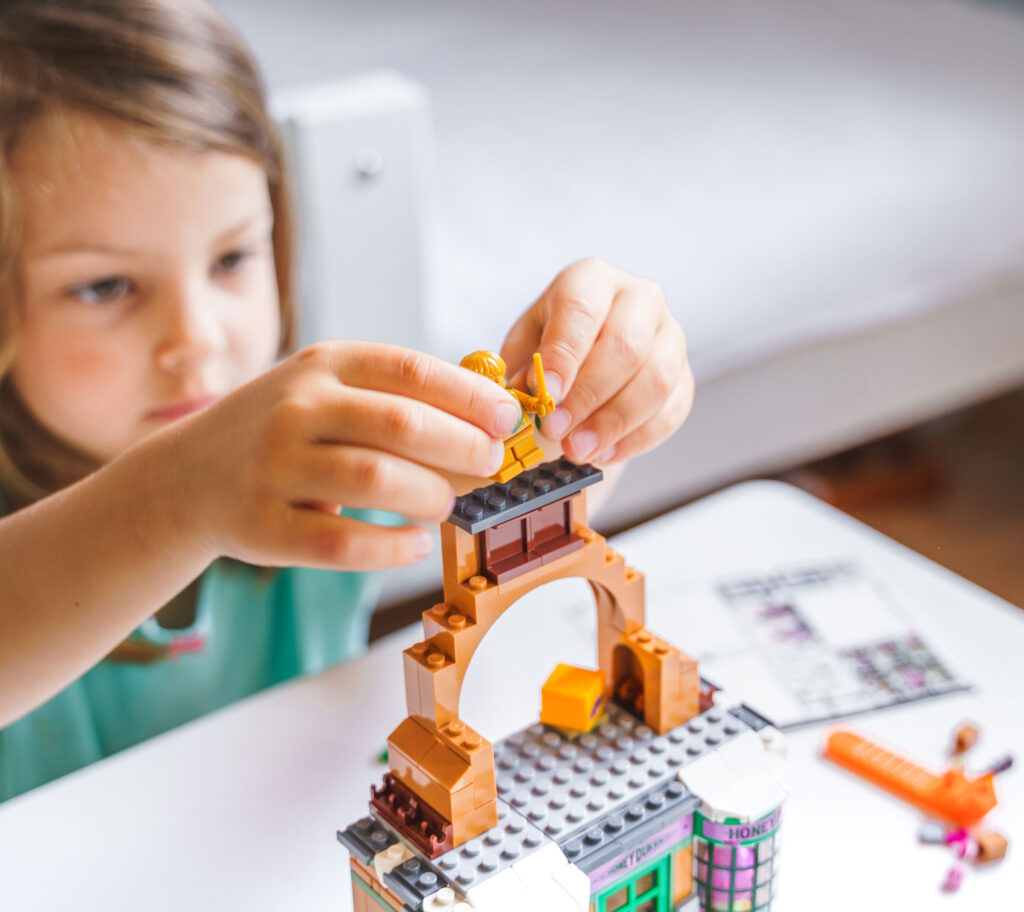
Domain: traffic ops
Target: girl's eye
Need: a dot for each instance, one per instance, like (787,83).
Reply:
(231,262)
(101,291)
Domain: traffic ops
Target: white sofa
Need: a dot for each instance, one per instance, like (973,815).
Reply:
(831,194)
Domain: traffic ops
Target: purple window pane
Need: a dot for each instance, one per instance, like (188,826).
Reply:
(721,879)
(721,902)
(744,879)
(722,856)
(744,856)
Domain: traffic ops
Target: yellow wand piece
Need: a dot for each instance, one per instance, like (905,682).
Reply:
(542,387)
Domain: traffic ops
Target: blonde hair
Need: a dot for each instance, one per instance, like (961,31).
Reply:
(172,70)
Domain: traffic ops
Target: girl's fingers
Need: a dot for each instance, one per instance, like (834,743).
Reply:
(404,427)
(322,541)
(643,396)
(619,353)
(362,478)
(661,426)
(402,372)
(563,324)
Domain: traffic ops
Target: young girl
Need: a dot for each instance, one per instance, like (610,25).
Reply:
(145,294)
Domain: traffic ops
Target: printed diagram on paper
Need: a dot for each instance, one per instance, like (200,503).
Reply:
(808,643)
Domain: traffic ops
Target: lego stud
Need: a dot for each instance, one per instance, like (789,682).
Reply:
(477,583)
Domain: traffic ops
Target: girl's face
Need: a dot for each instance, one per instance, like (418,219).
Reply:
(148,281)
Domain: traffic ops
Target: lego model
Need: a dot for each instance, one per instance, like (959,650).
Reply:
(641,789)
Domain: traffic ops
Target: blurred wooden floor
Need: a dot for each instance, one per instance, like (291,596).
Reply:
(972,519)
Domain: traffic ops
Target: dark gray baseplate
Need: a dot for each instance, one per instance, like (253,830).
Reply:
(537,487)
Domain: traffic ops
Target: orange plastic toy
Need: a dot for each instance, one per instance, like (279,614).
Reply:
(521,450)
(950,795)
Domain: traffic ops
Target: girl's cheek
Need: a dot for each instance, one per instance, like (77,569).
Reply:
(74,373)
(255,338)
(104,362)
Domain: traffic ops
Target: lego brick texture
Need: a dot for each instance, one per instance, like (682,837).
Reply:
(621,830)
(511,841)
(500,502)
(563,786)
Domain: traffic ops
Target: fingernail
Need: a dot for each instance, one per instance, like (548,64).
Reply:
(557,423)
(424,544)
(554,384)
(508,417)
(607,456)
(496,459)
(583,443)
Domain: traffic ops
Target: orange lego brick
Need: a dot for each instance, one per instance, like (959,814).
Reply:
(449,768)
(682,875)
(438,682)
(992,846)
(452,632)
(412,739)
(572,698)
(950,795)
(469,826)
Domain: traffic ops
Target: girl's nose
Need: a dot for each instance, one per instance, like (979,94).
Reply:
(191,332)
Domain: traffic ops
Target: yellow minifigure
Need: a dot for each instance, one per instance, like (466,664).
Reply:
(521,450)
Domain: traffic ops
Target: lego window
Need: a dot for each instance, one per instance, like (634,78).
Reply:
(736,876)
(646,883)
(617,900)
(649,890)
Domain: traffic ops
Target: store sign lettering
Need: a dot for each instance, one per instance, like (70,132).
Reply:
(741,832)
(656,845)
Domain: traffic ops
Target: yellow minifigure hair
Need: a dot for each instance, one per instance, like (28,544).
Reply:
(487,363)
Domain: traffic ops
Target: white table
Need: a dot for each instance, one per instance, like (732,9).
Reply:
(239,809)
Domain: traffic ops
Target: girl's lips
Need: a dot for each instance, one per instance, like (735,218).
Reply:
(180,409)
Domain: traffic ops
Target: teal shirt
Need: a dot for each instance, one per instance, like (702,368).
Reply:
(257,630)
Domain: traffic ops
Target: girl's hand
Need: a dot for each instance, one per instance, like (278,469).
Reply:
(337,424)
(613,355)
